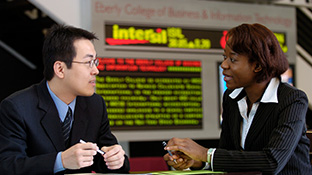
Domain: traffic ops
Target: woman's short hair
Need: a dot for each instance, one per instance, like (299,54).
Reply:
(259,44)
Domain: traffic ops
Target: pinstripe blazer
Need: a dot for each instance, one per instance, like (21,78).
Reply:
(276,142)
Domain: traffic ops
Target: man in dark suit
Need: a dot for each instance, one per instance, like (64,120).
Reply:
(263,127)
(41,126)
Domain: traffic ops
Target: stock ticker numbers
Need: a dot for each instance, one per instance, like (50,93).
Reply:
(171,37)
(151,93)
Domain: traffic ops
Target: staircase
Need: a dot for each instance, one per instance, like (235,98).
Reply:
(304,35)
(21,39)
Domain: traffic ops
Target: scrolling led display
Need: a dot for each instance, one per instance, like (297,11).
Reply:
(151,93)
(171,37)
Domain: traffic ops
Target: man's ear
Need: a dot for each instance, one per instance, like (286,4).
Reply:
(58,68)
(258,68)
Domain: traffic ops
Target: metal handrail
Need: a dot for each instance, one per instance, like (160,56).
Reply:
(304,55)
(17,55)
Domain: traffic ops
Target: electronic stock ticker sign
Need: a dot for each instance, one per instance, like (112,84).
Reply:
(170,37)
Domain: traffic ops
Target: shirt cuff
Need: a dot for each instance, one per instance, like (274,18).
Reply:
(212,154)
(58,165)
(206,167)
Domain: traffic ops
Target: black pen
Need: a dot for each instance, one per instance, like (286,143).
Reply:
(165,144)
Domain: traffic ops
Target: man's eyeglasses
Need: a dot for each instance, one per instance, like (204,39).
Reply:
(91,62)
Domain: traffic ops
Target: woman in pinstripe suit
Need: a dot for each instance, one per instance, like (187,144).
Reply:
(263,126)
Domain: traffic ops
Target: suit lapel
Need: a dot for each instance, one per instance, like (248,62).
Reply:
(237,121)
(52,125)
(50,120)
(237,128)
(80,123)
(264,111)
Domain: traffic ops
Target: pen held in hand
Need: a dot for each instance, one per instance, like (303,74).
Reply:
(99,151)
(165,144)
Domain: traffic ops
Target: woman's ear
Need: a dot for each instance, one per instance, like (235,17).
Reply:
(258,68)
(58,68)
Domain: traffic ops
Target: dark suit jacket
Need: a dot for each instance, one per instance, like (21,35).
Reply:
(31,136)
(276,142)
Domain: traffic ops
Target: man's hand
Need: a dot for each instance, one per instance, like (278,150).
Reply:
(114,156)
(79,155)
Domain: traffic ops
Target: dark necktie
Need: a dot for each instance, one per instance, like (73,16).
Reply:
(66,125)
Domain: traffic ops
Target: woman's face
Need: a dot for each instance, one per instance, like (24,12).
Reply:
(237,70)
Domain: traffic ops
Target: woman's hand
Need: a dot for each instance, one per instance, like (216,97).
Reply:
(190,148)
(181,162)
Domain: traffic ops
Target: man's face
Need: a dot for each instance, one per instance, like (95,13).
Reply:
(80,78)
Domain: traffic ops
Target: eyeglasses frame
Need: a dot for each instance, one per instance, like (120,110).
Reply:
(91,62)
